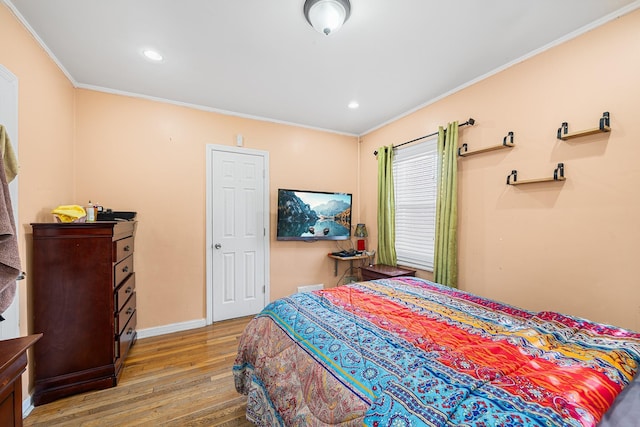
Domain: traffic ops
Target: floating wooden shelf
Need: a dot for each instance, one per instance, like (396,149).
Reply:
(463,151)
(563,130)
(558,175)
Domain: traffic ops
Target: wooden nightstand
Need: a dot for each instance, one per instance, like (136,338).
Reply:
(13,362)
(382,271)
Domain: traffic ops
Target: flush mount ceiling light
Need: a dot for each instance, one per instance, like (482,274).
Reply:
(327,16)
(152,55)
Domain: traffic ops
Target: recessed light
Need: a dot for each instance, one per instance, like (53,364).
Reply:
(152,55)
(353,105)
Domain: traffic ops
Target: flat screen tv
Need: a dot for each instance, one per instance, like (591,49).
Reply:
(313,215)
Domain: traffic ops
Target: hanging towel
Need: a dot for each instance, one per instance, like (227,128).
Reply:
(9,255)
(8,155)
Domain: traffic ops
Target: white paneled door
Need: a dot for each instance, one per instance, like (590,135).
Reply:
(238,243)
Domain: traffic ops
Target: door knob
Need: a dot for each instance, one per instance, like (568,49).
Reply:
(217,246)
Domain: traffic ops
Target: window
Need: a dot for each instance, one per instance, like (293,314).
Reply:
(415,186)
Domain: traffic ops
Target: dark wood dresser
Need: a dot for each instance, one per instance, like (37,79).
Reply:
(13,362)
(84,303)
(382,271)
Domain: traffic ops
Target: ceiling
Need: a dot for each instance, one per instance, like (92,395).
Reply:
(261,59)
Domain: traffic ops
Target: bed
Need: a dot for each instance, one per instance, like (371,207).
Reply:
(409,352)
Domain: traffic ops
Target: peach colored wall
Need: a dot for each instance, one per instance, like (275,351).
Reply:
(149,157)
(45,122)
(568,247)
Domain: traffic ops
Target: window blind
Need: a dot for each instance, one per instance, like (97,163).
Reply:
(415,185)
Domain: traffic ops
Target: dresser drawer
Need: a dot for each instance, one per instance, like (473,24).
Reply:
(124,248)
(126,338)
(122,270)
(123,316)
(122,294)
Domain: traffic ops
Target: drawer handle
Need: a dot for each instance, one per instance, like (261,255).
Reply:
(125,269)
(130,331)
(127,248)
(129,310)
(128,290)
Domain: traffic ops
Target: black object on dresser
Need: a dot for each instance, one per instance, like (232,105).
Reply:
(82,287)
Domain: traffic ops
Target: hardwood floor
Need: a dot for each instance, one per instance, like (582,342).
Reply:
(180,379)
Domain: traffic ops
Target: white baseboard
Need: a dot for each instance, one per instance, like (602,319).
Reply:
(27,403)
(27,406)
(168,329)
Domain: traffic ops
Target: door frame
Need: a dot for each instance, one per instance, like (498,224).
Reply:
(210,149)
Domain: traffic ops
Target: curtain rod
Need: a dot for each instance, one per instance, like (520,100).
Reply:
(469,122)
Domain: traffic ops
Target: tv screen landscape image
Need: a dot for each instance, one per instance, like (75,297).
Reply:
(313,215)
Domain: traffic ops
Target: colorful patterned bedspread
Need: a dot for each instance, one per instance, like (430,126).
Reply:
(407,352)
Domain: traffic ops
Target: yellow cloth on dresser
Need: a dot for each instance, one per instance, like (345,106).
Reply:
(69,213)
(8,155)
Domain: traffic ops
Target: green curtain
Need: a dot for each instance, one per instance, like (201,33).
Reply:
(445,269)
(386,208)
